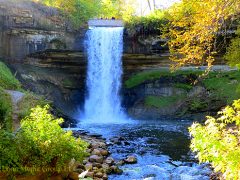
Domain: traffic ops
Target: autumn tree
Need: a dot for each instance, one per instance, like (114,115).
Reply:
(193,27)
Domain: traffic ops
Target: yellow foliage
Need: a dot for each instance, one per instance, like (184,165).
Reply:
(194,25)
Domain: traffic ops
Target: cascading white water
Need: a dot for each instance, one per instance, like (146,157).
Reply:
(104,49)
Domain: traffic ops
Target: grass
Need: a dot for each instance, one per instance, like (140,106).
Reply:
(151,75)
(7,79)
(183,86)
(29,101)
(224,85)
(5,110)
(159,102)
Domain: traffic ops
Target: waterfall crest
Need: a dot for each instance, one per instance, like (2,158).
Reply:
(104,49)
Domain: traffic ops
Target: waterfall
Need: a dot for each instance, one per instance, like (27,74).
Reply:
(104,49)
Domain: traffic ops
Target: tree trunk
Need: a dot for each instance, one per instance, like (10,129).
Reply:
(149,5)
(154,4)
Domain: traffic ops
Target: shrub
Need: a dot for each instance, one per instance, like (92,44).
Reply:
(9,155)
(233,55)
(218,141)
(41,144)
(153,22)
(5,110)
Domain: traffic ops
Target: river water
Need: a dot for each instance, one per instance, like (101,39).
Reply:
(161,147)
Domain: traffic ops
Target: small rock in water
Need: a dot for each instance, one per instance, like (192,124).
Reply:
(126,143)
(117,140)
(121,138)
(150,176)
(109,161)
(189,164)
(104,152)
(120,163)
(96,158)
(96,152)
(116,170)
(130,160)
(95,135)
(98,165)
(106,168)
(82,132)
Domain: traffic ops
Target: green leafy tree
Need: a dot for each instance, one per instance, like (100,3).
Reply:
(120,9)
(233,51)
(218,141)
(79,11)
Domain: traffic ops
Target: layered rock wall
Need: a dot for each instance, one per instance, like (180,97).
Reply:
(27,27)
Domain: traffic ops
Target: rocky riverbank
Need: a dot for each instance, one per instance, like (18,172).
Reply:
(100,163)
(158,149)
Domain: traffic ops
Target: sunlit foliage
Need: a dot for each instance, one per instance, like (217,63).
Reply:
(79,11)
(120,9)
(152,22)
(233,51)
(193,27)
(218,141)
(40,143)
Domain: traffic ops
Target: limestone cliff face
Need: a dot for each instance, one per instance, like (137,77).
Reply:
(27,27)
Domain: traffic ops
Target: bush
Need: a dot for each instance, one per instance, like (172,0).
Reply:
(9,155)
(41,144)
(153,22)
(218,141)
(5,110)
(233,55)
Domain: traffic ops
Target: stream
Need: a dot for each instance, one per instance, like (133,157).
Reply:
(161,148)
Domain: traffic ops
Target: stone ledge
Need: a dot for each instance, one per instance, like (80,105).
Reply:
(105,23)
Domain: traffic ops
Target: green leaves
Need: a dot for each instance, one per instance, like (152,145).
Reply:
(233,55)
(218,141)
(41,143)
(42,132)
